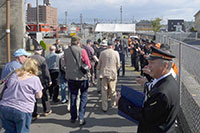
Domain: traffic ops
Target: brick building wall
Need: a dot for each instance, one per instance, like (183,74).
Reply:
(47,14)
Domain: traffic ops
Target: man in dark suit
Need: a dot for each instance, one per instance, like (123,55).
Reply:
(161,103)
(121,47)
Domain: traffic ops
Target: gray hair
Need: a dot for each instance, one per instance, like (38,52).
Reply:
(52,48)
(168,62)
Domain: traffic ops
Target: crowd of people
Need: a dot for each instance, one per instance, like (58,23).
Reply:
(42,77)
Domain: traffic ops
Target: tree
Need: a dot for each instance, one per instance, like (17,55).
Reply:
(156,24)
(192,30)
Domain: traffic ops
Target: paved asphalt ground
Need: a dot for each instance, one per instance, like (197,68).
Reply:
(97,121)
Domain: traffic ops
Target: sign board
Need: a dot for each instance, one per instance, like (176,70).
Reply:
(72,34)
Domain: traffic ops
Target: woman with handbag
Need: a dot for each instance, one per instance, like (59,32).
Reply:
(18,99)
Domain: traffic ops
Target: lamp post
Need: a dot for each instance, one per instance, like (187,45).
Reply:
(8,28)
(66,18)
(81,23)
(37,15)
(120,14)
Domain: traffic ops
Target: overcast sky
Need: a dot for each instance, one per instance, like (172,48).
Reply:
(132,9)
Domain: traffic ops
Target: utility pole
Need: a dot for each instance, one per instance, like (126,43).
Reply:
(120,14)
(37,16)
(8,27)
(81,21)
(66,18)
(95,23)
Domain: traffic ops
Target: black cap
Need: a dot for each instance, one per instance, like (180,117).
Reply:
(152,42)
(117,39)
(143,40)
(95,42)
(88,41)
(160,54)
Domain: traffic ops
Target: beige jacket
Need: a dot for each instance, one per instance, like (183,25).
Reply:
(109,63)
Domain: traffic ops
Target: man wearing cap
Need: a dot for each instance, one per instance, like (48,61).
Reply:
(161,103)
(91,54)
(95,46)
(121,48)
(109,63)
(103,46)
(136,53)
(45,79)
(144,52)
(21,56)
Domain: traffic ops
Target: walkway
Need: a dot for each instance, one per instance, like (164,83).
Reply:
(97,121)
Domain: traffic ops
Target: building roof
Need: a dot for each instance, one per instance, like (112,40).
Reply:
(125,28)
(196,13)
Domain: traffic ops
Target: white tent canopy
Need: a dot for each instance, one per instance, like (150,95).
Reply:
(124,28)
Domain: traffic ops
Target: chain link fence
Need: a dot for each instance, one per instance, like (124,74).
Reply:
(181,36)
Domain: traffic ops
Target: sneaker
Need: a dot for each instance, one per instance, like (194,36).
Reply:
(47,113)
(2,130)
(50,97)
(104,111)
(82,122)
(56,100)
(64,101)
(35,117)
(72,120)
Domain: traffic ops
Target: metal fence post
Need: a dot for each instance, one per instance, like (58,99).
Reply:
(180,72)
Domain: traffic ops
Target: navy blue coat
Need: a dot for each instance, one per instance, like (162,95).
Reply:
(160,109)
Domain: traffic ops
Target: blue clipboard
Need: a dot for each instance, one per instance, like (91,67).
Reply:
(135,97)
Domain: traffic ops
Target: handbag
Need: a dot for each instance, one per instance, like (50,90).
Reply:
(84,68)
(3,84)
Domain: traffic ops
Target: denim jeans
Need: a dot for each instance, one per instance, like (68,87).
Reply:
(15,121)
(122,59)
(62,86)
(74,87)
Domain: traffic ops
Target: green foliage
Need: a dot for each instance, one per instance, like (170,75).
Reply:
(43,44)
(192,29)
(99,40)
(156,24)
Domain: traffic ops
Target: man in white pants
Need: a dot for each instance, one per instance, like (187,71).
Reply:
(109,63)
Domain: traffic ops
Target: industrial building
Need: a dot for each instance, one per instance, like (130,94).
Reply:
(47,15)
